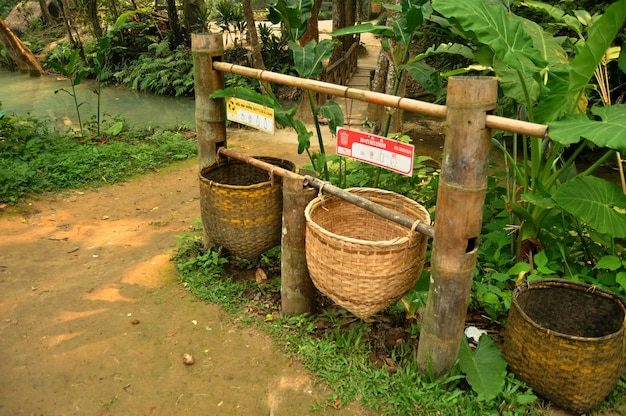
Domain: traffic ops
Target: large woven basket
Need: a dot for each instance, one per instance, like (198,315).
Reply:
(242,206)
(358,259)
(566,341)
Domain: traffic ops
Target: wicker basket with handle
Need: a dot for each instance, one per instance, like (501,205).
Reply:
(242,206)
(358,259)
(566,341)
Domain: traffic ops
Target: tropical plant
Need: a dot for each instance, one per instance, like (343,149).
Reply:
(161,71)
(549,87)
(396,41)
(36,159)
(228,14)
(308,64)
(484,368)
(74,71)
(100,63)
(275,50)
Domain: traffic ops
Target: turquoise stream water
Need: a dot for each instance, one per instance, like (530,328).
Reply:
(21,94)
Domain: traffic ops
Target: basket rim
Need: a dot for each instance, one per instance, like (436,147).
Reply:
(548,283)
(229,161)
(317,201)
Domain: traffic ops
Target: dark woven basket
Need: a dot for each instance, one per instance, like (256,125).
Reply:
(566,341)
(242,206)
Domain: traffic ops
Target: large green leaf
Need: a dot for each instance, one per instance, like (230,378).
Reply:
(621,60)
(294,14)
(485,369)
(333,112)
(493,26)
(563,90)
(404,27)
(599,39)
(520,87)
(552,11)
(363,28)
(122,19)
(308,58)
(447,48)
(606,133)
(599,203)
(425,75)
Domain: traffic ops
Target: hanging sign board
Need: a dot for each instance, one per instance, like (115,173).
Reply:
(376,150)
(250,114)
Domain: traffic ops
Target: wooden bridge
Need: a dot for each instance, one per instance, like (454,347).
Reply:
(346,71)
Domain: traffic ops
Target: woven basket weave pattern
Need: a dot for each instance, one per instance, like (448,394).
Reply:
(360,260)
(242,206)
(568,344)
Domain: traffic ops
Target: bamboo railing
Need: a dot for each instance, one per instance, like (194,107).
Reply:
(407,104)
(460,198)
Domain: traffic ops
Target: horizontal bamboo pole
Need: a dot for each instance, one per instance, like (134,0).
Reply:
(273,169)
(407,104)
(387,213)
(370,206)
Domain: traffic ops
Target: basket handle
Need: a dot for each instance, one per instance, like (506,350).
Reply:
(271,174)
(400,206)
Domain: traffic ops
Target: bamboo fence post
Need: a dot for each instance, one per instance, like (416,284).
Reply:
(210,113)
(460,202)
(297,289)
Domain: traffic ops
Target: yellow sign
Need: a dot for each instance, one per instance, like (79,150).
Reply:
(250,114)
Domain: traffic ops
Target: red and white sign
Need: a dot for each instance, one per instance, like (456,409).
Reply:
(376,150)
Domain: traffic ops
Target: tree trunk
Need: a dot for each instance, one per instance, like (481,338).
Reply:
(359,12)
(91,9)
(339,21)
(376,112)
(66,14)
(193,15)
(45,13)
(20,54)
(312,26)
(248,14)
(174,23)
(297,289)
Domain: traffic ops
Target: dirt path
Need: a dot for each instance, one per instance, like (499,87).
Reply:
(93,321)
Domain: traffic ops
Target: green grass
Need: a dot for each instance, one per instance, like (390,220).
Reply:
(338,348)
(37,159)
(350,356)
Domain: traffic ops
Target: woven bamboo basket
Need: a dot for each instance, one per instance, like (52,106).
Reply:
(566,341)
(358,259)
(242,206)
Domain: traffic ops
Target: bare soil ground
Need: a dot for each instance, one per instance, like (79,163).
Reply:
(93,322)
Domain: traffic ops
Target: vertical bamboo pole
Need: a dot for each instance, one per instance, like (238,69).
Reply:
(297,290)
(460,202)
(210,113)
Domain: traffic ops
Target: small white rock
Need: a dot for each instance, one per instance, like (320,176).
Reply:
(474,333)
